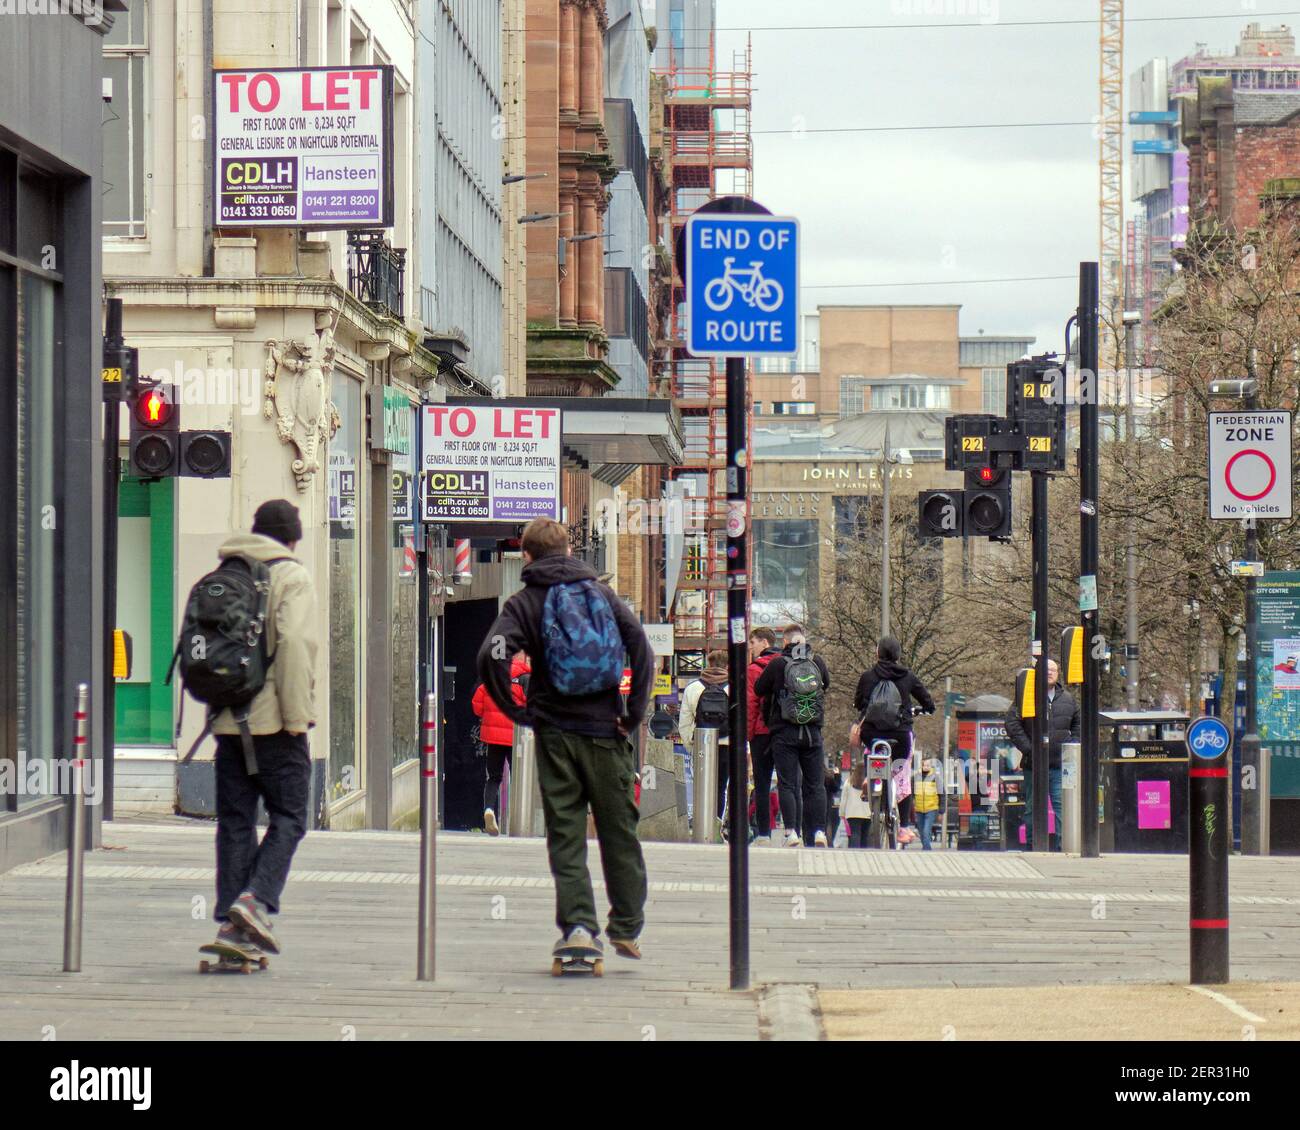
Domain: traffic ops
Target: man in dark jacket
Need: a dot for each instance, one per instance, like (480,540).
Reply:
(1062,725)
(796,748)
(584,755)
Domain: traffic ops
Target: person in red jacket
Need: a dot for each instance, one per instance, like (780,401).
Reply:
(498,734)
(762,650)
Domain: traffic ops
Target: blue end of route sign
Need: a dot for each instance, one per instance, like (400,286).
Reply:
(743,285)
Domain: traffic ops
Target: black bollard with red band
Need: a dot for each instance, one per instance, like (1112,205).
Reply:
(1208,800)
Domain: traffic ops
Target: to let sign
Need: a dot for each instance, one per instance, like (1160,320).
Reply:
(743,285)
(490,464)
(1250,464)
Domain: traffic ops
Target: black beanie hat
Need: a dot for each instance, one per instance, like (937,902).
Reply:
(278,519)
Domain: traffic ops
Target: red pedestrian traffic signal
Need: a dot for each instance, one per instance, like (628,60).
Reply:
(155,428)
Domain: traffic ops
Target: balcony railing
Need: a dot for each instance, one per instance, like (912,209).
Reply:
(376,272)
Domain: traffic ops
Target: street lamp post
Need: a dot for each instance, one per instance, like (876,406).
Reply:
(1132,318)
(904,457)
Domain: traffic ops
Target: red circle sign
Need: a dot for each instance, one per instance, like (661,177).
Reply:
(1272,474)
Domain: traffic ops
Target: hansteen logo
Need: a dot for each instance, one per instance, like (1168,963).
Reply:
(102,1084)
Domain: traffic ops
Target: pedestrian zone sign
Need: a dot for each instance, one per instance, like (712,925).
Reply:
(1250,464)
(743,285)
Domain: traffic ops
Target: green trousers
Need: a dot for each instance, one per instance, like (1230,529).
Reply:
(574,771)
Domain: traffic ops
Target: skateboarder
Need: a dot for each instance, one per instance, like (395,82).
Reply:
(576,632)
(252,875)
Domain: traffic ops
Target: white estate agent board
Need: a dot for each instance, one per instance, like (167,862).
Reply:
(305,147)
(497,463)
(1250,464)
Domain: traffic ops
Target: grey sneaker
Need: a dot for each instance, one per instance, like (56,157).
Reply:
(230,934)
(249,914)
(578,939)
(490,822)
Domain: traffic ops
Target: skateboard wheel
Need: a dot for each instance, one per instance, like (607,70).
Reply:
(245,968)
(557,967)
(204,966)
(598,968)
(262,963)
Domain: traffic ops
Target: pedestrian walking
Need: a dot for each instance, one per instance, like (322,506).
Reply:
(1061,725)
(576,632)
(855,801)
(706,702)
(926,797)
(762,650)
(498,735)
(795,685)
(247,649)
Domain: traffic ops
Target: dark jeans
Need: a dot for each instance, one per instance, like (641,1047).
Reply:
(925,825)
(576,771)
(283,781)
(497,756)
(832,813)
(792,758)
(1054,794)
(859,826)
(760,752)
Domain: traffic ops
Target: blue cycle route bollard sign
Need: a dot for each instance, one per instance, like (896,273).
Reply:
(1208,738)
(742,294)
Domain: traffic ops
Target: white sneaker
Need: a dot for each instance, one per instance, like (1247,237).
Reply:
(490,822)
(819,839)
(763,841)
(792,840)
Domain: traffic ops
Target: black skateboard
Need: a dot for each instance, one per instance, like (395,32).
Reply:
(232,958)
(577,959)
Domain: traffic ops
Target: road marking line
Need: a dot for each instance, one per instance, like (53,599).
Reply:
(1228,1003)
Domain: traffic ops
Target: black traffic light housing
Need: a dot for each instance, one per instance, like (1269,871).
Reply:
(987,502)
(940,513)
(205,454)
(155,432)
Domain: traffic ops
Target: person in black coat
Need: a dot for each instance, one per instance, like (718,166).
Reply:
(1062,726)
(888,667)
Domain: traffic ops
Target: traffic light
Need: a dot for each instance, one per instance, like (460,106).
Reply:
(205,455)
(155,432)
(987,503)
(940,513)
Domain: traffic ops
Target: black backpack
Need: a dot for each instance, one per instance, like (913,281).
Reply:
(884,707)
(713,710)
(221,650)
(801,700)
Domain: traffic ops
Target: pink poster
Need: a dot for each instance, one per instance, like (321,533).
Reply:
(1153,804)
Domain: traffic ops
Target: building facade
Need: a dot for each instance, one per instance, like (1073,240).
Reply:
(51,533)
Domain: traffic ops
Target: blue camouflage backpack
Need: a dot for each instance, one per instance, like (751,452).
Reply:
(580,639)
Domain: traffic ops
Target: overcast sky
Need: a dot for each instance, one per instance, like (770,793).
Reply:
(946,205)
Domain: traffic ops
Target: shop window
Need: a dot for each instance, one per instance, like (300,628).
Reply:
(786,554)
(126,57)
(345,591)
(405,614)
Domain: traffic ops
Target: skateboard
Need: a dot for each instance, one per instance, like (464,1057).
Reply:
(577,959)
(232,959)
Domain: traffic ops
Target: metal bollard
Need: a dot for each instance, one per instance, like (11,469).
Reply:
(1209,808)
(76,836)
(428,841)
(704,770)
(525,792)
(1070,816)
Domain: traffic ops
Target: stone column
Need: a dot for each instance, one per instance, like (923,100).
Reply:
(591,79)
(568,58)
(569,280)
(592,259)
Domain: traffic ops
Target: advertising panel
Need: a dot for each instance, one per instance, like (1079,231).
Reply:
(303,147)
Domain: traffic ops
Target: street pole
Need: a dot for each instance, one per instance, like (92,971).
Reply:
(884,560)
(1040,759)
(1093,642)
(1255,800)
(428,908)
(1130,594)
(119,370)
(737,603)
(1209,840)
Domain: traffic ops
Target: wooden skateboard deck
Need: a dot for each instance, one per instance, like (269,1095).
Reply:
(232,959)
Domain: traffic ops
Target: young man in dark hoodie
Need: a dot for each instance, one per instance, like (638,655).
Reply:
(584,753)
(888,667)
(796,749)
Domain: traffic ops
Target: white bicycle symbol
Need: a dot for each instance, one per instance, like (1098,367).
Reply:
(1210,738)
(752,287)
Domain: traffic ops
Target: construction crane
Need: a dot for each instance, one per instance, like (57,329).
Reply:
(1112,158)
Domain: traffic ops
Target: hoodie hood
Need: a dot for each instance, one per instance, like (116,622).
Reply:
(257,546)
(888,669)
(555,569)
(714,676)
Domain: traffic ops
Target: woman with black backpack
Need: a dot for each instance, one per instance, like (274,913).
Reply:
(884,704)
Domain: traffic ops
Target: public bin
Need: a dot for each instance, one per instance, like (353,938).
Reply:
(1143,781)
(991,788)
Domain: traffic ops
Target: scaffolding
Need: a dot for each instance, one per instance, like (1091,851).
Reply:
(710,150)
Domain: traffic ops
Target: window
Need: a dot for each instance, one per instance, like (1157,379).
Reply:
(626,312)
(345,590)
(852,396)
(794,408)
(785,559)
(677,28)
(126,53)
(911,396)
(995,391)
(626,147)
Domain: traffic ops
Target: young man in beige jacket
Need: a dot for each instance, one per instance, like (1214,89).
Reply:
(252,875)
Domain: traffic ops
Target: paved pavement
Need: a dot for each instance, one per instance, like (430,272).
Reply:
(834,920)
